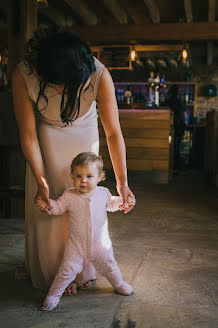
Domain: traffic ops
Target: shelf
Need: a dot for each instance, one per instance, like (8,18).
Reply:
(144,106)
(147,83)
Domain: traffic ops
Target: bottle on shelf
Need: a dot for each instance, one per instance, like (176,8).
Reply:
(183,98)
(137,96)
(191,97)
(117,92)
(128,95)
(162,97)
(186,97)
(187,117)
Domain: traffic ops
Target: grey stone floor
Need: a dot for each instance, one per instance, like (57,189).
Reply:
(167,248)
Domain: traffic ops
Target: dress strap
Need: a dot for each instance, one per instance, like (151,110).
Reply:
(95,79)
(31,80)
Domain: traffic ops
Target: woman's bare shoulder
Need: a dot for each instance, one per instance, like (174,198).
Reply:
(18,79)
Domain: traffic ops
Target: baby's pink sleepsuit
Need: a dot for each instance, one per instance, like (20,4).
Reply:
(88,240)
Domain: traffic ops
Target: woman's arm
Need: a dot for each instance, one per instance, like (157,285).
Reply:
(25,117)
(108,111)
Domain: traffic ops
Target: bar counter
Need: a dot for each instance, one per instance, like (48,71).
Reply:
(147,137)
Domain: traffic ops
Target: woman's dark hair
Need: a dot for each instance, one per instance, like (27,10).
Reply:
(62,58)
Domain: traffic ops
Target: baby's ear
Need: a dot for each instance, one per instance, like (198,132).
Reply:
(102,176)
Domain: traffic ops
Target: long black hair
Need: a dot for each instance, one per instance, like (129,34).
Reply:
(62,58)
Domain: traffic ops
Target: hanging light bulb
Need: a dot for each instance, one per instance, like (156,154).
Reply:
(133,54)
(184,54)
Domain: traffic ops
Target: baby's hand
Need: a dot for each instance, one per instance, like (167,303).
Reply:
(131,201)
(43,206)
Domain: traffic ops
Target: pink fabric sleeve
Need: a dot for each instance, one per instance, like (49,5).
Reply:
(113,203)
(60,205)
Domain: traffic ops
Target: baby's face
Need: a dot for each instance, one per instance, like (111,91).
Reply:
(86,178)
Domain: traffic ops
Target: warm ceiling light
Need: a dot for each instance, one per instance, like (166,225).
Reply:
(133,54)
(42,3)
(184,54)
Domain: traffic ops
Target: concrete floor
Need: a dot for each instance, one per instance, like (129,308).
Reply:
(167,248)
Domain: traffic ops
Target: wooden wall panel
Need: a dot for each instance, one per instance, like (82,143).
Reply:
(140,152)
(146,135)
(140,142)
(142,133)
(143,124)
(142,165)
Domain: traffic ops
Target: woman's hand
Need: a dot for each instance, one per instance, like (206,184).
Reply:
(125,193)
(42,197)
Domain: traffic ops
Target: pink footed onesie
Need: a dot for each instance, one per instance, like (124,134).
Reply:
(88,241)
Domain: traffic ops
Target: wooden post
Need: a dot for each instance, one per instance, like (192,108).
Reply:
(22,21)
(210,44)
(210,53)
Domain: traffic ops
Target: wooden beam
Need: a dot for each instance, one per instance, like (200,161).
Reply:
(137,13)
(144,48)
(81,9)
(125,34)
(116,10)
(56,17)
(153,10)
(158,47)
(188,10)
(211,10)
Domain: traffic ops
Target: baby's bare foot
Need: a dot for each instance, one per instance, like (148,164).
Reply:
(86,285)
(71,289)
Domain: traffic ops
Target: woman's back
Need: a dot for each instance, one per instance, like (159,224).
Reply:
(50,112)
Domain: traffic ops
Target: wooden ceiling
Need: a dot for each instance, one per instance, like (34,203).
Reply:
(128,21)
(95,12)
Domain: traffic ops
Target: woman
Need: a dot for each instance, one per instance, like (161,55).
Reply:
(178,108)
(55,92)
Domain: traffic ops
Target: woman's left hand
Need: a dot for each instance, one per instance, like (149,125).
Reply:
(125,192)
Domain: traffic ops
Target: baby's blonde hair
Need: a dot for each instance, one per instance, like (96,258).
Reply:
(87,158)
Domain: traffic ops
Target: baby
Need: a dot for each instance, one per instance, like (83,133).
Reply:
(89,241)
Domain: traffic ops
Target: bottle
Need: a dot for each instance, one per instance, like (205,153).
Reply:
(137,96)
(183,95)
(187,118)
(122,95)
(128,95)
(118,96)
(162,98)
(191,98)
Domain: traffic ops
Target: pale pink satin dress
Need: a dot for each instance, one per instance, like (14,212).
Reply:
(89,240)
(46,237)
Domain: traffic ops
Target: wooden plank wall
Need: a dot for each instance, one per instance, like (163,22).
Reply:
(146,134)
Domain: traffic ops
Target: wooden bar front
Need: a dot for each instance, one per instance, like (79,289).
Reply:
(147,137)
